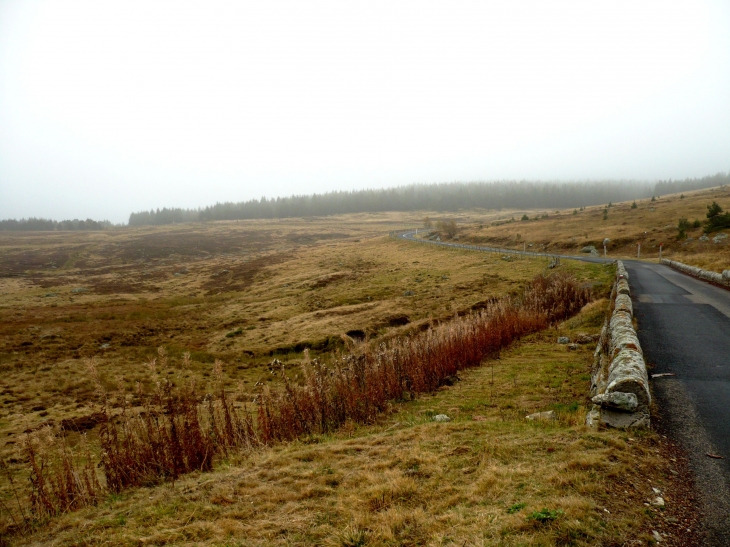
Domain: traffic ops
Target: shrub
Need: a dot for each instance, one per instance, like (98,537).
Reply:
(545,515)
(682,226)
(716,219)
(447,226)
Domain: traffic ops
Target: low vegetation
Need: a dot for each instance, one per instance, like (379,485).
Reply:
(177,432)
(486,477)
(292,402)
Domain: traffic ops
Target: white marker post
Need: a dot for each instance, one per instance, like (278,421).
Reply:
(638,254)
(660,251)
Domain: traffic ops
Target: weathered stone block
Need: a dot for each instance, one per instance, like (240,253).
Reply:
(627,374)
(618,400)
(623,303)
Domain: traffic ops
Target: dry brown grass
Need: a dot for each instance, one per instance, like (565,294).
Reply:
(289,284)
(177,431)
(408,480)
(252,291)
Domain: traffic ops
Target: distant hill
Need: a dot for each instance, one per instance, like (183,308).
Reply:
(432,197)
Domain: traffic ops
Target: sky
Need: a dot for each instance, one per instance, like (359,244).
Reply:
(108,108)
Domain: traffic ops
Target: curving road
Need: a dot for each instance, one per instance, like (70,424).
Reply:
(684,329)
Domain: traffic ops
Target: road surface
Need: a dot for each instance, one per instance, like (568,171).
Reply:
(684,328)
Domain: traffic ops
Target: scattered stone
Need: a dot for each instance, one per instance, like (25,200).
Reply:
(50,295)
(618,400)
(595,253)
(563,340)
(594,417)
(588,249)
(408,293)
(441,418)
(79,289)
(105,345)
(547,415)
(658,501)
(656,491)
(657,536)
(584,338)
(703,237)
(573,347)
(624,420)
(719,237)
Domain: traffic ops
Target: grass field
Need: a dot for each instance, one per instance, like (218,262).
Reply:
(249,292)
(484,478)
(241,292)
(650,223)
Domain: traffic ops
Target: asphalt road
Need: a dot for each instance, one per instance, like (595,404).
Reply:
(684,328)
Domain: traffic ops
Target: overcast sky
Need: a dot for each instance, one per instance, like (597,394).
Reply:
(112,107)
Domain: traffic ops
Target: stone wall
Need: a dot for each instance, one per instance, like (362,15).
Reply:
(706,275)
(619,380)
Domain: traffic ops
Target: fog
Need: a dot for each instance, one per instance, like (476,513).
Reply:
(109,108)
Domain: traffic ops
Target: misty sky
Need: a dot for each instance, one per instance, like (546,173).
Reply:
(112,107)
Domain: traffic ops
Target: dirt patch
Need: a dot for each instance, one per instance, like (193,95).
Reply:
(309,238)
(82,423)
(325,280)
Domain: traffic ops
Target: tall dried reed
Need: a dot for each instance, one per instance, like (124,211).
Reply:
(359,386)
(179,430)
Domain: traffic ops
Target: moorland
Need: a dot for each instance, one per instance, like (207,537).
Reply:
(246,293)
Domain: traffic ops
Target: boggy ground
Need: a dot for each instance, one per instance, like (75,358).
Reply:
(244,292)
(650,223)
(247,292)
(486,477)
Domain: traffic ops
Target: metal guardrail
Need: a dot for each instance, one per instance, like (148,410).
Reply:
(410,233)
